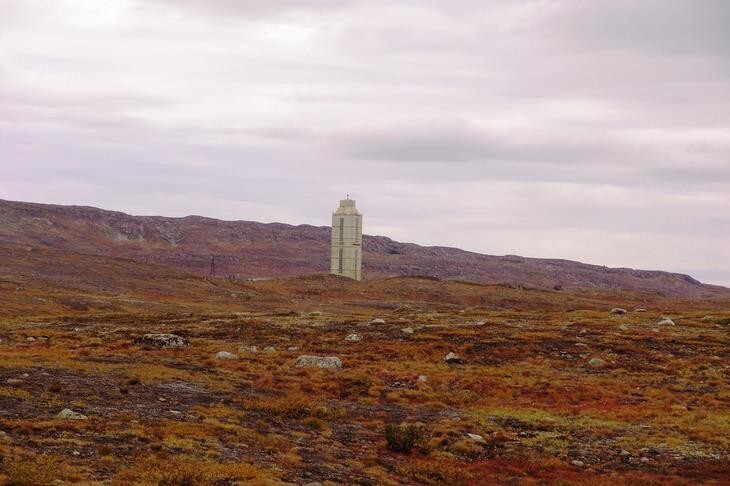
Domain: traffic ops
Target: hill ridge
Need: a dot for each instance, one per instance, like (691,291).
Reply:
(244,249)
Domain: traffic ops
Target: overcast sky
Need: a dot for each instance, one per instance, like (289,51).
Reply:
(596,131)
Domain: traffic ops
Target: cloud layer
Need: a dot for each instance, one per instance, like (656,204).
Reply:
(596,131)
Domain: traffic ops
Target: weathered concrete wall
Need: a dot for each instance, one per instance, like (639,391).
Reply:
(346,256)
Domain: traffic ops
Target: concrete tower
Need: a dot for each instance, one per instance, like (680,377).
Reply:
(347,240)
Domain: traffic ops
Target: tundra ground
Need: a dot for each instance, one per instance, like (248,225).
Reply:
(653,407)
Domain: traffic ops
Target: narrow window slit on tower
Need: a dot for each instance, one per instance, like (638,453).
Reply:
(342,230)
(340,268)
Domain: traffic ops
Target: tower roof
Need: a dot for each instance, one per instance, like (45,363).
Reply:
(347,206)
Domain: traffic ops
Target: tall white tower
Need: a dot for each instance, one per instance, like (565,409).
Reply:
(347,240)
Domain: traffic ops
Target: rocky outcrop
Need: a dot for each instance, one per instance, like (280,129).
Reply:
(162,341)
(328,362)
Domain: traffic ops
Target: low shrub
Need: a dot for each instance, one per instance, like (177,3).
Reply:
(402,438)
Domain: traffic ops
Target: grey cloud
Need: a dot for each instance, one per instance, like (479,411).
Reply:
(595,131)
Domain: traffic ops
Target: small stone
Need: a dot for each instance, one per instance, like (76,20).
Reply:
(665,322)
(225,355)
(407,330)
(623,327)
(269,349)
(25,375)
(618,311)
(377,321)
(328,362)
(353,337)
(76,453)
(577,463)
(422,379)
(69,414)
(30,339)
(480,323)
(644,460)
(639,309)
(4,437)
(293,348)
(14,381)
(624,453)
(596,363)
(453,358)
(248,349)
(476,438)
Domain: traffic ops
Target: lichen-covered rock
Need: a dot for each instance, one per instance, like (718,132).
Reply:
(226,355)
(69,414)
(329,362)
(596,363)
(162,341)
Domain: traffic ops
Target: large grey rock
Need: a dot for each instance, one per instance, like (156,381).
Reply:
(226,355)
(162,341)
(69,414)
(329,362)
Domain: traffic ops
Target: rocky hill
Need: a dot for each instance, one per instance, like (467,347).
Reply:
(246,249)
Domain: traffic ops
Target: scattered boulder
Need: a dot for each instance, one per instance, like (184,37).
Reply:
(665,322)
(422,379)
(69,414)
(293,348)
(476,438)
(353,337)
(623,327)
(596,363)
(269,349)
(162,341)
(30,339)
(639,309)
(578,463)
(407,330)
(328,362)
(377,321)
(13,381)
(618,311)
(225,355)
(248,349)
(453,358)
